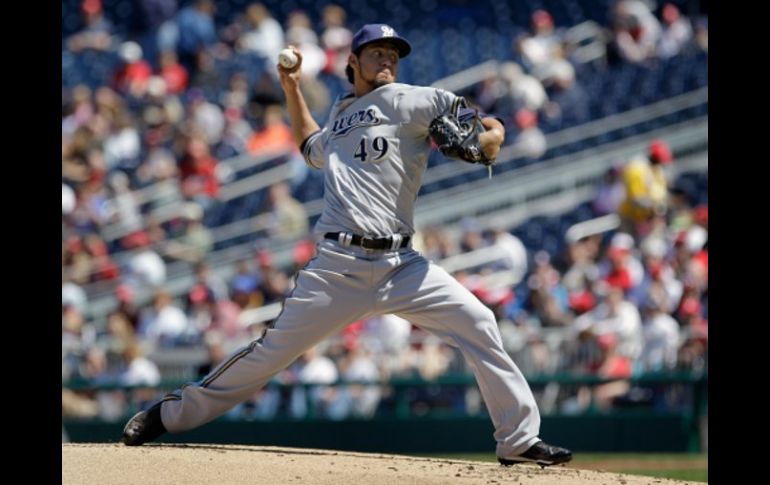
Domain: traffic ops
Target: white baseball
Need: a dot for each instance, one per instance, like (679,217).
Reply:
(287,58)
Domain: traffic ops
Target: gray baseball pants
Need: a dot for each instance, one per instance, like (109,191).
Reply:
(344,284)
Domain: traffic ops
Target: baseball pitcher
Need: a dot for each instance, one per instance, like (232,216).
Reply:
(373,151)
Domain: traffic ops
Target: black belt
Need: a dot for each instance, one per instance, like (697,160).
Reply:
(347,239)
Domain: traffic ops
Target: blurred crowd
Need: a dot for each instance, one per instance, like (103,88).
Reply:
(613,304)
(145,156)
(544,85)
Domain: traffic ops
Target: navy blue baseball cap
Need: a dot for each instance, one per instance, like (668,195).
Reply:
(373,32)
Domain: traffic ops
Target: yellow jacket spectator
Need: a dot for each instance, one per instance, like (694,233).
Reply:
(645,185)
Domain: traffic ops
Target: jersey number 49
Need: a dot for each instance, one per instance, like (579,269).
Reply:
(379,146)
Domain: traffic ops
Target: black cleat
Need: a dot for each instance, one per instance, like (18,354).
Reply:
(541,453)
(144,426)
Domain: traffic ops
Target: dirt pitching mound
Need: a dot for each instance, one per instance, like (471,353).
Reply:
(114,464)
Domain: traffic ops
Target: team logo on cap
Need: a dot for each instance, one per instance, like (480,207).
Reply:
(388,31)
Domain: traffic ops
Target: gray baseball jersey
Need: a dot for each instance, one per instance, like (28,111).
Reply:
(374,151)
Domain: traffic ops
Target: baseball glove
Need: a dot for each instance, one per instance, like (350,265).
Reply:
(457,134)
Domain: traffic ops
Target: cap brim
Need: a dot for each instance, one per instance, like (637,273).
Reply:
(402,46)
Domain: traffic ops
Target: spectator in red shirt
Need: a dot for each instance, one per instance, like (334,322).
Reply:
(173,73)
(131,78)
(619,275)
(198,171)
